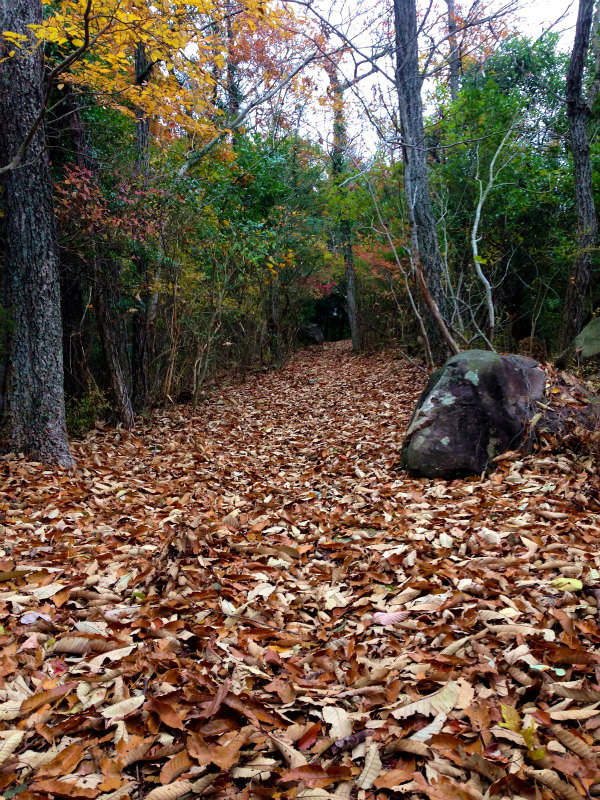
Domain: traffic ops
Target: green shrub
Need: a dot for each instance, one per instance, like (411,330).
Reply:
(82,412)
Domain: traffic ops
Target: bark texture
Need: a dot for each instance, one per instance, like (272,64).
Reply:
(422,222)
(578,288)
(35,410)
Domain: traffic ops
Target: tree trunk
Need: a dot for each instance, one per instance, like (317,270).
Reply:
(574,307)
(421,219)
(78,378)
(338,159)
(74,272)
(113,338)
(350,273)
(35,407)
(140,344)
(103,277)
(234,94)
(454,57)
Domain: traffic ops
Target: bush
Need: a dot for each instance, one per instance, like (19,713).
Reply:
(83,412)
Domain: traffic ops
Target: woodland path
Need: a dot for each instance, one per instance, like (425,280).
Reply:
(211,604)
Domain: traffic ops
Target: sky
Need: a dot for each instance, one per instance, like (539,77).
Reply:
(535,17)
(539,15)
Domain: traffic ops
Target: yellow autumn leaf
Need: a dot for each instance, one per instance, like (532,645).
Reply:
(567,584)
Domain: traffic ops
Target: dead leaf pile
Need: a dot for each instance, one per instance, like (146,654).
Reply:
(255,601)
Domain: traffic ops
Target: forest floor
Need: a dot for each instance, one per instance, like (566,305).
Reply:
(254,600)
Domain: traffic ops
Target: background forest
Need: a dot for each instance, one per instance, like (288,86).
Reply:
(223,172)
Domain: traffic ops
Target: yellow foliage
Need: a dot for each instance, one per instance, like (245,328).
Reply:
(180,37)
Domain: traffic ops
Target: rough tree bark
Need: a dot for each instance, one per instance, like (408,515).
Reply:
(35,409)
(578,288)
(338,155)
(421,219)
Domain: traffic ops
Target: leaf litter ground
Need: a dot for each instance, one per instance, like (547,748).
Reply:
(255,601)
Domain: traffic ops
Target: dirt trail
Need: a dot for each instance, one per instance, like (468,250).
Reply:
(216,603)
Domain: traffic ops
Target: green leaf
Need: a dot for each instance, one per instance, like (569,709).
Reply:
(537,755)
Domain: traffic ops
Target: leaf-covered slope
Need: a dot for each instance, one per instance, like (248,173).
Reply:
(254,601)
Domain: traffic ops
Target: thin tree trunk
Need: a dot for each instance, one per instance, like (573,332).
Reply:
(112,335)
(421,219)
(454,57)
(338,158)
(141,333)
(174,332)
(578,288)
(234,95)
(74,272)
(35,406)
(104,279)
(350,273)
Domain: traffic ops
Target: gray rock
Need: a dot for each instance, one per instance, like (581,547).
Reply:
(588,340)
(585,345)
(475,407)
(309,333)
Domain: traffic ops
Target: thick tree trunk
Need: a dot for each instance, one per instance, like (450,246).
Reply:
(421,219)
(35,407)
(338,159)
(578,288)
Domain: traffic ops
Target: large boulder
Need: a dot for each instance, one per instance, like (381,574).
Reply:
(475,407)
(309,333)
(585,345)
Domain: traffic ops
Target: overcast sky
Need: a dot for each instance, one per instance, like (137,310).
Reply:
(539,16)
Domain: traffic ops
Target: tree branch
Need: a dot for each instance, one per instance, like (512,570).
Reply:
(236,123)
(54,73)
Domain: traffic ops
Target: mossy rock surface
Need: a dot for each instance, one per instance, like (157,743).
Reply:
(478,405)
(589,339)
